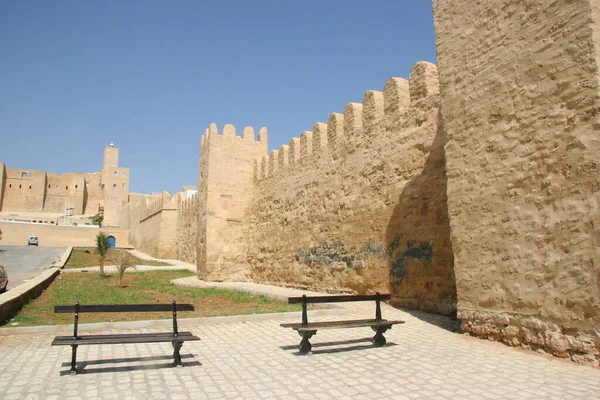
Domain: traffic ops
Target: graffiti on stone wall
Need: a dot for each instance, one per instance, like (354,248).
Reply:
(334,253)
(330,253)
(398,271)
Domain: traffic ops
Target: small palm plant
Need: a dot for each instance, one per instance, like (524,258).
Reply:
(123,261)
(102,249)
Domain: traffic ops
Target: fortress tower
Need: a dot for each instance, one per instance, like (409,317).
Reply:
(225,188)
(520,96)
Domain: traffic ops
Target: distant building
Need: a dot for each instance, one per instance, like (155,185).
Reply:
(76,193)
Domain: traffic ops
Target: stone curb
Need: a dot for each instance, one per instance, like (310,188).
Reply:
(13,300)
(111,269)
(164,323)
(276,293)
(62,260)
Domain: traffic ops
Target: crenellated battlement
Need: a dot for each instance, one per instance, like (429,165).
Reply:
(401,106)
(156,203)
(228,143)
(184,204)
(229,132)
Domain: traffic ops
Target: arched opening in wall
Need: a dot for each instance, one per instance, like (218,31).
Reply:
(112,242)
(421,261)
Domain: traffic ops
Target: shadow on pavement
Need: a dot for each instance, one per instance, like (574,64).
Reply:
(449,323)
(82,366)
(337,349)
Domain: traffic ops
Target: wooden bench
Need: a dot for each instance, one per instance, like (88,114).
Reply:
(175,337)
(307,330)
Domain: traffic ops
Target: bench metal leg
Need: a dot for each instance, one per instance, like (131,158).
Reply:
(379,340)
(176,355)
(73,358)
(305,346)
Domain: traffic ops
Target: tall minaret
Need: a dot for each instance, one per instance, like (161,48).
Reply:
(111,157)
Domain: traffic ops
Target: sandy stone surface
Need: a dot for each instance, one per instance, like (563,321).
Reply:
(520,98)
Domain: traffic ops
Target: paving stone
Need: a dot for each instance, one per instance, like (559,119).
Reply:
(250,358)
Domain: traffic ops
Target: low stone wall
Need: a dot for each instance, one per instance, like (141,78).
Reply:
(14,233)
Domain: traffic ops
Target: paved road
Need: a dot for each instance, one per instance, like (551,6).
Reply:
(25,262)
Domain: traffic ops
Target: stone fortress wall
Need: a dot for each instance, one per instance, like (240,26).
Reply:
(152,223)
(520,100)
(187,228)
(358,204)
(355,205)
(479,196)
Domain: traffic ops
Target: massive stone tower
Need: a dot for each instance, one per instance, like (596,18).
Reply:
(520,100)
(225,183)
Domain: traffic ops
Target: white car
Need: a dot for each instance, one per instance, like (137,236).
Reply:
(32,241)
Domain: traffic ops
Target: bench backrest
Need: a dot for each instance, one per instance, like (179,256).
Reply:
(305,300)
(338,299)
(107,308)
(77,308)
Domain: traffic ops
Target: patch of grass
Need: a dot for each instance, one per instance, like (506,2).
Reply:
(83,257)
(141,287)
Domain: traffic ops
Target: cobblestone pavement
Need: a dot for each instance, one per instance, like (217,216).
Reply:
(247,357)
(253,357)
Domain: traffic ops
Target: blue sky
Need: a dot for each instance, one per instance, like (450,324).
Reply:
(151,75)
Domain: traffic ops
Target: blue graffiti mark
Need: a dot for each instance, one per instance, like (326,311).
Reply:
(329,253)
(334,252)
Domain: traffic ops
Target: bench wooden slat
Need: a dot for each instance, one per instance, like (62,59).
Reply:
(356,325)
(338,298)
(295,325)
(95,308)
(126,335)
(340,324)
(121,339)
